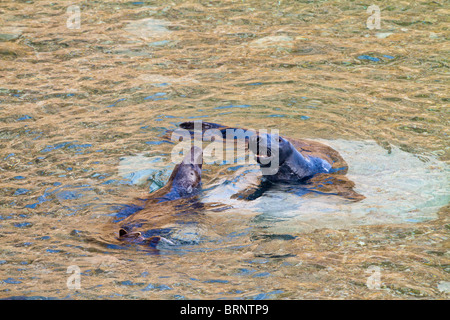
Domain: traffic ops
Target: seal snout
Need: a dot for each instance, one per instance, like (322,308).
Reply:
(259,145)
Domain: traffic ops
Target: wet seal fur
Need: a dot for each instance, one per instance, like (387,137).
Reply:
(171,204)
(309,164)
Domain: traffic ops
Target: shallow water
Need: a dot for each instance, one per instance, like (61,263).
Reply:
(83,114)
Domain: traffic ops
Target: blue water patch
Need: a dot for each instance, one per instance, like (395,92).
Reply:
(40,200)
(234,106)
(261,274)
(21,191)
(366,57)
(258,261)
(115,182)
(114,104)
(245,272)
(9,155)
(69,195)
(125,210)
(264,296)
(22,224)
(157,142)
(29,298)
(197,117)
(115,247)
(255,84)
(53,250)
(55,147)
(25,117)
(156,96)
(216,281)
(78,148)
(11,281)
(413,220)
(62,193)
(19,177)
(100,176)
(387,56)
(158,287)
(236,234)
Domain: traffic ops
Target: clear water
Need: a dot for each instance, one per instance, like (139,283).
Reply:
(83,113)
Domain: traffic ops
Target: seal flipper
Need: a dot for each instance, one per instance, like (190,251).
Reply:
(253,193)
(154,240)
(335,184)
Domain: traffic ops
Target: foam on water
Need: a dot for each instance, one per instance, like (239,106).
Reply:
(398,186)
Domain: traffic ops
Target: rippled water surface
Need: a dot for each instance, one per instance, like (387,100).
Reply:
(84,112)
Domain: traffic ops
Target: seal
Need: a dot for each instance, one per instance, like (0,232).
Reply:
(174,203)
(308,164)
(292,166)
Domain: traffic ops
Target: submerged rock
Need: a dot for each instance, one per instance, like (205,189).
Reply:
(10,33)
(148,28)
(383,35)
(444,286)
(279,42)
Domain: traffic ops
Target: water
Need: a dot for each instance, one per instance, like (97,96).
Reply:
(83,114)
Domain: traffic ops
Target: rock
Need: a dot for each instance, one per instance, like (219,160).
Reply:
(382,35)
(10,33)
(148,28)
(273,41)
(444,286)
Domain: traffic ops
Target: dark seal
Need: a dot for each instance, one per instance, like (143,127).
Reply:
(291,165)
(174,203)
(308,164)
